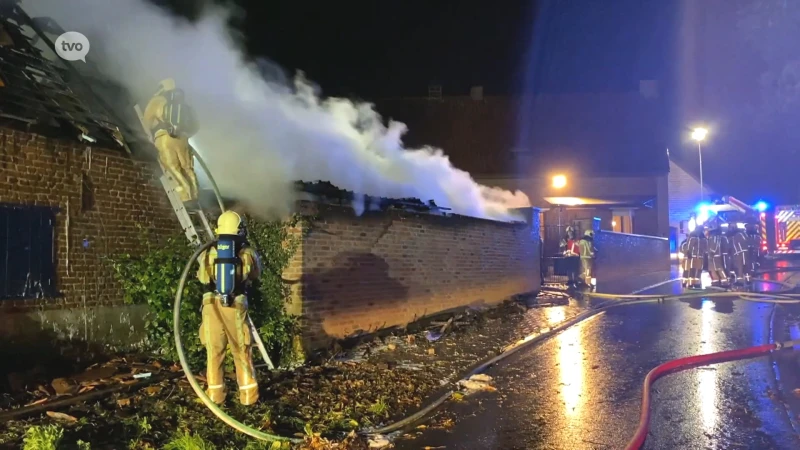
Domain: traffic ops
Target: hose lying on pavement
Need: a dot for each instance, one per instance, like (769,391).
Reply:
(746,296)
(631,299)
(681,364)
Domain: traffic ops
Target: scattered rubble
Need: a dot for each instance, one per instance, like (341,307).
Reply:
(477,383)
(368,383)
(378,441)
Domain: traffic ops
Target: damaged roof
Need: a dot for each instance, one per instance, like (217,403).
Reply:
(44,96)
(327,193)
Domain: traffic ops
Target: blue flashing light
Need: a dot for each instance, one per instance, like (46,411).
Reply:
(703,213)
(702,217)
(761,206)
(703,207)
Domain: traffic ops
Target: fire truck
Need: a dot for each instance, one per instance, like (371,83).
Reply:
(778,227)
(781,230)
(730,212)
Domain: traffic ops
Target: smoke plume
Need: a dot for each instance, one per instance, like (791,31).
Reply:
(260,130)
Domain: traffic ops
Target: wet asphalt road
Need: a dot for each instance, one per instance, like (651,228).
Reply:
(582,388)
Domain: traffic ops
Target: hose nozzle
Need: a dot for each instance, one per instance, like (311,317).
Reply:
(787,344)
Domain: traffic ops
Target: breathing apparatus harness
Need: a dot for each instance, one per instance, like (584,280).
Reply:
(178,118)
(228,280)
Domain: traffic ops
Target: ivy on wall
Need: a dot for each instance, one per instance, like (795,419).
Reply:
(151,278)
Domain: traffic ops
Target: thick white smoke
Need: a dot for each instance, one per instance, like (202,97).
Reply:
(260,133)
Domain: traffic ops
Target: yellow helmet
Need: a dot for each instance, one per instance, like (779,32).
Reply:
(165,85)
(229,223)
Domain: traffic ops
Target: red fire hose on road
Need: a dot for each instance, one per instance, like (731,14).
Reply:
(681,364)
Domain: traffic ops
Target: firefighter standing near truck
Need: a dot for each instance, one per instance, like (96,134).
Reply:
(684,261)
(716,261)
(171,123)
(227,271)
(570,250)
(587,253)
(754,238)
(695,254)
(741,254)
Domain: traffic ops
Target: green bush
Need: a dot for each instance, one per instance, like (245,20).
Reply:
(276,247)
(151,278)
(43,437)
(186,441)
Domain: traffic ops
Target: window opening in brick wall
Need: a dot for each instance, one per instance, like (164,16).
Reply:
(27,252)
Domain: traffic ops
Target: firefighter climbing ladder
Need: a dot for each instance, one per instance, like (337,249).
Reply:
(185,217)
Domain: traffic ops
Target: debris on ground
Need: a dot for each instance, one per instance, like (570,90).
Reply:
(477,383)
(378,441)
(366,383)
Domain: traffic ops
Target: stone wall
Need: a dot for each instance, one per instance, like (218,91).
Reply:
(104,196)
(385,269)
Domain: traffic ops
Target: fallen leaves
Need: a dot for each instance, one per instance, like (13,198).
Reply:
(153,390)
(64,386)
(61,417)
(85,389)
(38,402)
(334,397)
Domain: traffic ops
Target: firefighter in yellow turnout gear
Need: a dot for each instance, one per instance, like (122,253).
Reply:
(225,308)
(171,123)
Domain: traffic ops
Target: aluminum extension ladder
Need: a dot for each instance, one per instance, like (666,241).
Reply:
(187,218)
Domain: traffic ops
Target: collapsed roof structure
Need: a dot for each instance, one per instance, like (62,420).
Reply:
(41,93)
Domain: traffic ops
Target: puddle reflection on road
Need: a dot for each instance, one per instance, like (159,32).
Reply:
(707,376)
(570,365)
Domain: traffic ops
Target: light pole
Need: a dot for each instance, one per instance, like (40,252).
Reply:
(699,134)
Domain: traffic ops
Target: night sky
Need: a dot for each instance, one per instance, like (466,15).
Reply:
(373,51)
(708,72)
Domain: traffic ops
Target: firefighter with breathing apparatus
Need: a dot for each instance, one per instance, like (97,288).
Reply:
(171,123)
(587,253)
(227,270)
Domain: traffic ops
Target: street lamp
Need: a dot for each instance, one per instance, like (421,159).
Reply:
(699,134)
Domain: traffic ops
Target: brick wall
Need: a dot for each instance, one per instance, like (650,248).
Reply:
(386,269)
(627,261)
(46,172)
(35,170)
